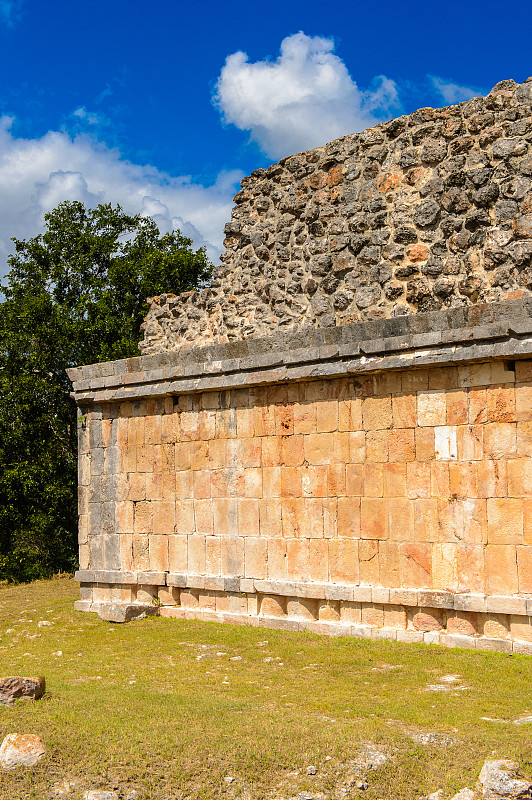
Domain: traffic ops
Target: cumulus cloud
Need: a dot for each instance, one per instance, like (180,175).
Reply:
(303,99)
(452,93)
(10,12)
(37,174)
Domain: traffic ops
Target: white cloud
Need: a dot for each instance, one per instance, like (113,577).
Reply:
(452,93)
(10,12)
(37,174)
(303,99)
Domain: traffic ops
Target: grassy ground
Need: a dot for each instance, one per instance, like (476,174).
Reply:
(175,709)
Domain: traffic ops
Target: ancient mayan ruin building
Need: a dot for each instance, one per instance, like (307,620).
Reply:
(336,435)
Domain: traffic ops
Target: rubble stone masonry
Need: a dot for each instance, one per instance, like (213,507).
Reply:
(340,466)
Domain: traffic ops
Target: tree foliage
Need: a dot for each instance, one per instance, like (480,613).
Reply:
(75,294)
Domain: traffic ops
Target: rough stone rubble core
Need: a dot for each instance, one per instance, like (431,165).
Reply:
(277,457)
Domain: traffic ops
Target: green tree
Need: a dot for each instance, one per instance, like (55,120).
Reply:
(75,294)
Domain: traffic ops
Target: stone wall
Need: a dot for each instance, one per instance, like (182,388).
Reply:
(429,211)
(365,486)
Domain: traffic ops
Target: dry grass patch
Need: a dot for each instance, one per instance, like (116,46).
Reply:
(175,709)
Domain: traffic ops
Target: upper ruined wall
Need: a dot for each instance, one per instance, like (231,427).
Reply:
(427,211)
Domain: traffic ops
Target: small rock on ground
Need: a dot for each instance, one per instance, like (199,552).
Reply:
(97,794)
(499,779)
(21,750)
(432,738)
(13,687)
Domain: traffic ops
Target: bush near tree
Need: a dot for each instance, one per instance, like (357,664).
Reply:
(75,294)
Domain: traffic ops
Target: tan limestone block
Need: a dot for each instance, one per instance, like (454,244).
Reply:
(348,517)
(369,568)
(319,448)
(495,626)
(372,615)
(128,460)
(416,564)
(292,517)
(527,520)
(394,478)
(184,516)
(457,407)
(188,426)
(344,560)
(501,404)
(137,486)
(126,552)
(158,546)
(203,516)
(329,611)
(199,455)
(463,623)
(252,483)
(201,484)
(521,628)
(183,485)
(213,555)
(377,445)
(475,521)
(291,485)
(470,560)
(500,440)
(425,450)
(355,479)
(271,482)
(377,413)
(439,479)
(389,564)
(524,568)
(225,424)
(208,601)
(374,518)
(443,378)
(373,480)
(277,393)
(505,520)
(349,414)
(141,553)
(470,442)
(302,608)
(477,406)
(492,478)
(417,480)
(143,517)
(154,486)
(245,425)
(272,606)
(248,516)
(401,519)
(414,380)
(269,517)
(319,559)
(255,558)
(305,418)
(336,480)
(431,408)
(250,452)
(163,517)
(196,554)
(312,524)
(145,458)
(475,374)
(395,617)
(293,453)
(225,513)
(124,519)
(232,555)
(238,603)
(388,382)
(330,517)
(314,481)
(153,429)
(327,416)
(277,559)
(240,398)
(189,598)
(428,620)
(284,420)
(404,410)
(350,613)
(101,593)
(523,370)
(463,479)
(169,428)
(520,477)
(271,451)
(501,569)
(168,457)
(135,431)
(450,519)
(445,443)
(182,453)
(426,520)
(357,447)
(402,445)
(444,566)
(524,439)
(178,554)
(220,481)
(297,553)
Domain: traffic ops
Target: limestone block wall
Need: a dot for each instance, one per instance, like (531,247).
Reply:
(428,211)
(389,496)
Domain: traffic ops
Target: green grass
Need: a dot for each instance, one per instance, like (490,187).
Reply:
(135,707)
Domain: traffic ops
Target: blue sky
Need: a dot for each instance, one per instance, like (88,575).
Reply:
(164,106)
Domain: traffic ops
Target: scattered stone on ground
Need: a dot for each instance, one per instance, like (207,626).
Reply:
(312,770)
(97,794)
(44,623)
(436,795)
(14,687)
(432,738)
(464,794)
(500,779)
(21,750)
(65,787)
(523,721)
